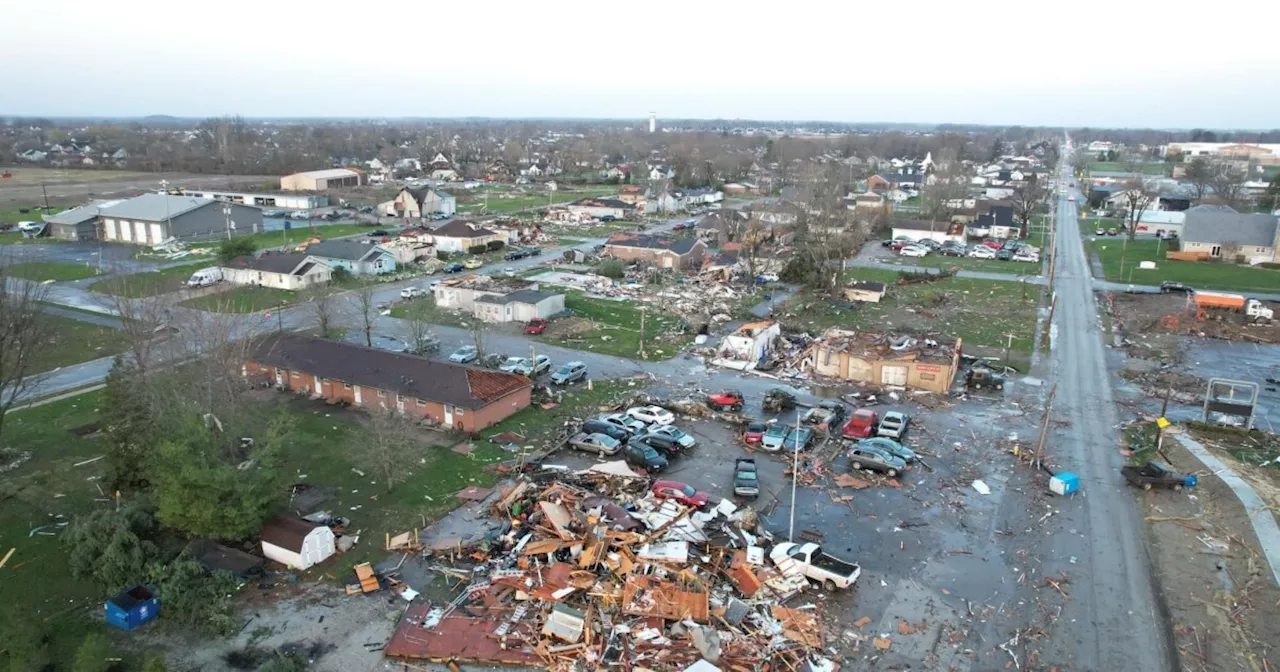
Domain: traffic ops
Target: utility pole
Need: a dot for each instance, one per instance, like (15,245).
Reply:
(795,474)
(46,197)
(643,312)
(1044,424)
(1008,344)
(1048,324)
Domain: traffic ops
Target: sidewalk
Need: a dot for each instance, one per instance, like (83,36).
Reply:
(1264,522)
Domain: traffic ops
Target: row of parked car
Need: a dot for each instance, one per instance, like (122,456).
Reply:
(645,436)
(568,372)
(873,442)
(1006,250)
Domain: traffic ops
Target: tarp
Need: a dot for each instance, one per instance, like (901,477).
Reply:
(615,468)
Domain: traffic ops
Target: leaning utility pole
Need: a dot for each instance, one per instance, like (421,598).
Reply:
(1044,425)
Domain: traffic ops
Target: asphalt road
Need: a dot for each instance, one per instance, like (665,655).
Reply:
(1114,606)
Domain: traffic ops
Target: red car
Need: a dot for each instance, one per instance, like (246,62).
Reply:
(754,433)
(862,425)
(726,400)
(535,326)
(681,492)
(994,244)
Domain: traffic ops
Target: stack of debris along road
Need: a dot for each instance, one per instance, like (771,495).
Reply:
(593,569)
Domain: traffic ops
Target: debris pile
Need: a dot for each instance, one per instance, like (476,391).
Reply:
(590,566)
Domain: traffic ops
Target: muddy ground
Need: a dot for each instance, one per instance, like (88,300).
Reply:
(1153,323)
(29,185)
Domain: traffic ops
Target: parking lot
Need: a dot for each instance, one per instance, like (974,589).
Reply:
(933,550)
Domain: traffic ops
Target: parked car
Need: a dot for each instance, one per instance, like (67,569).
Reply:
(929,243)
(828,570)
(1004,255)
(777,400)
(377,233)
(681,438)
(644,456)
(664,444)
(365,210)
(951,251)
(869,457)
(525,366)
(633,426)
(746,480)
(825,417)
(412,292)
(1174,287)
(982,252)
(798,438)
(754,433)
(775,436)
(1100,232)
(914,251)
(726,400)
(601,444)
(893,425)
(1112,232)
(453,268)
(205,277)
(681,492)
(1157,474)
(473,263)
(893,448)
(274,213)
(1026,256)
(535,326)
(514,255)
(993,244)
(464,355)
(594,426)
(862,424)
(652,415)
(568,373)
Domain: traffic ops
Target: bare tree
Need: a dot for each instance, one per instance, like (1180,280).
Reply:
(1026,200)
(1199,172)
(479,338)
(365,303)
(1140,194)
(417,328)
(1228,185)
(319,305)
(140,301)
(388,445)
(24,335)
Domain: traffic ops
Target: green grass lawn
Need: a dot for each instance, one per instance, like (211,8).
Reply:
(501,202)
(13,214)
(1090,225)
(538,425)
(430,312)
(981,312)
(150,283)
(300,232)
(1203,275)
(1118,167)
(45,490)
(58,271)
(615,328)
(242,300)
(73,342)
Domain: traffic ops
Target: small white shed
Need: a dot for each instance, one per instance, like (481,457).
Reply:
(296,543)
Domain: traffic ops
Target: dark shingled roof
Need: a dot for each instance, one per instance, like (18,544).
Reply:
(521,296)
(459,228)
(287,532)
(602,203)
(341,249)
(680,246)
(271,262)
(404,374)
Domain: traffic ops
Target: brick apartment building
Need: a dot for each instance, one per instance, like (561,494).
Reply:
(461,397)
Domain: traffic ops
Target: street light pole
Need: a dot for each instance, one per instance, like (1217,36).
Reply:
(795,474)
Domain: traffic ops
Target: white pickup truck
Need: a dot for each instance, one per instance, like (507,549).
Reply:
(809,560)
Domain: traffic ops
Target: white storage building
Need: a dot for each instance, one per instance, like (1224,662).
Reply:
(296,543)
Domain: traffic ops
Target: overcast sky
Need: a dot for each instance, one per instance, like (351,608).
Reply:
(1115,63)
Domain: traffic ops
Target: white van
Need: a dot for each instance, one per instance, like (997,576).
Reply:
(205,277)
(29,226)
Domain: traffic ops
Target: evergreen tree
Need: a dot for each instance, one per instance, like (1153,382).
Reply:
(94,654)
(129,434)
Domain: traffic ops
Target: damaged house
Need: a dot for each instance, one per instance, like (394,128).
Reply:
(659,251)
(748,347)
(880,359)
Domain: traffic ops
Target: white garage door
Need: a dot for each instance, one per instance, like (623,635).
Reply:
(140,232)
(110,228)
(157,234)
(893,375)
(126,230)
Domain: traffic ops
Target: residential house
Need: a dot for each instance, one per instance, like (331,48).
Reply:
(357,258)
(872,359)
(320,180)
(1225,234)
(702,196)
(442,169)
(621,173)
(601,207)
(1161,223)
(921,230)
(867,200)
(463,293)
(297,543)
(1004,191)
(867,291)
(460,397)
(151,219)
(669,201)
(518,306)
(461,235)
(661,172)
(632,194)
(419,203)
(748,346)
(32,156)
(657,250)
(783,213)
(292,271)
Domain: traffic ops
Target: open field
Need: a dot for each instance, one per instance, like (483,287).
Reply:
(29,185)
(242,300)
(984,313)
(73,342)
(150,283)
(57,271)
(1203,275)
(613,328)
(12,214)
(502,201)
(301,232)
(1118,167)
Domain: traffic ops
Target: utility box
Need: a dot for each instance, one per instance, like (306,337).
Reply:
(1065,483)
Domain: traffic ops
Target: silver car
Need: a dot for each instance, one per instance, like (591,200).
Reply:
(601,444)
(893,425)
(862,456)
(887,445)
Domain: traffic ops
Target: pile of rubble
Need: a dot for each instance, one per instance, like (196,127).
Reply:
(589,568)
